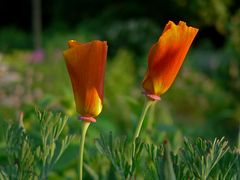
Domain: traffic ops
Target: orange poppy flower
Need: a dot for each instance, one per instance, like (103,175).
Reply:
(86,66)
(166,57)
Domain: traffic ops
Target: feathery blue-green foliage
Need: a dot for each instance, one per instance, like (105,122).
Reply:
(28,159)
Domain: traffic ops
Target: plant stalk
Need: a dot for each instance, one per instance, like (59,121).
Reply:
(146,106)
(81,149)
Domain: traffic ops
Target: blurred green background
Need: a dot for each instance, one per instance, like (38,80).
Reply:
(203,101)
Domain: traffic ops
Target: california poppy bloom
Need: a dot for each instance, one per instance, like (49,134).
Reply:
(86,66)
(166,57)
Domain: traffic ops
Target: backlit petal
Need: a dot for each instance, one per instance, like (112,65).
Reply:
(86,66)
(166,57)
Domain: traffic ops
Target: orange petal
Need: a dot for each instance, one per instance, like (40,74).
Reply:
(86,66)
(166,57)
(72,43)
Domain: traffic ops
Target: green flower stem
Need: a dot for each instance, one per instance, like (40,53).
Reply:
(147,104)
(84,131)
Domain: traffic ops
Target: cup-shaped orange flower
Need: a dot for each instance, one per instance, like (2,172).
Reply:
(166,57)
(86,67)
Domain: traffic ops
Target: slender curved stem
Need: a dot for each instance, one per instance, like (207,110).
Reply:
(81,149)
(147,104)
